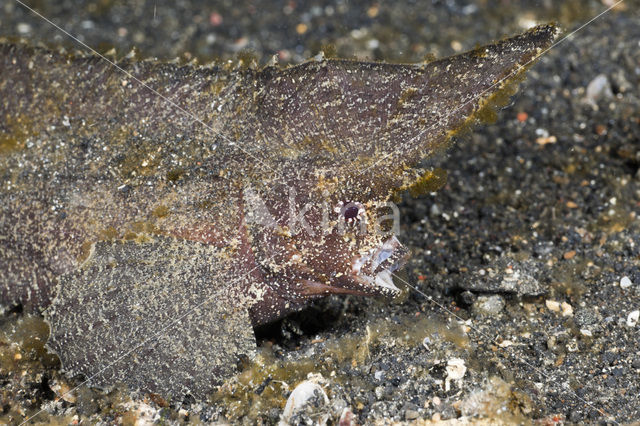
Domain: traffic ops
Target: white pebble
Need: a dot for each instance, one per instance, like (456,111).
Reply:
(23,28)
(543,133)
(552,305)
(455,371)
(567,310)
(625,282)
(373,44)
(306,396)
(632,318)
(598,88)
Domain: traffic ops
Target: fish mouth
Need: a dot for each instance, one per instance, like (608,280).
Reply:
(374,270)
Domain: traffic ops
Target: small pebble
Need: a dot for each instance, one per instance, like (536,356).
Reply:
(547,140)
(632,318)
(489,305)
(598,88)
(23,28)
(379,391)
(567,309)
(301,28)
(625,282)
(586,317)
(553,305)
(411,414)
(215,19)
(600,130)
(543,133)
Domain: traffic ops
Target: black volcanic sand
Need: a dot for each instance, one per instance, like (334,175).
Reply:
(528,260)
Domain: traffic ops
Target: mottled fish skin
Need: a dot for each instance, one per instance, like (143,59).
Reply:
(107,187)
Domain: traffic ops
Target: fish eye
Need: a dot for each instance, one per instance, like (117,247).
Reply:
(351,212)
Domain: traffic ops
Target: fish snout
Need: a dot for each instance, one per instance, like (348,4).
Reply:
(374,270)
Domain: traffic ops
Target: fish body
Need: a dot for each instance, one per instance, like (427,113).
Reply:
(178,206)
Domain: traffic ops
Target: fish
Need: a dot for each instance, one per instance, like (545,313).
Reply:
(156,212)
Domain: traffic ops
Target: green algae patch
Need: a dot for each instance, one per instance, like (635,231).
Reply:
(247,59)
(614,220)
(411,331)
(431,181)
(160,211)
(487,404)
(22,344)
(567,277)
(310,146)
(141,232)
(175,174)
(488,108)
(266,382)
(217,87)
(108,234)
(141,157)
(406,96)
(15,133)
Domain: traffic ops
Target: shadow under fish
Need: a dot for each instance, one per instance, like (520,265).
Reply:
(157,212)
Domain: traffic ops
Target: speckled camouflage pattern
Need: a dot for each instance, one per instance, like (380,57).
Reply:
(128,206)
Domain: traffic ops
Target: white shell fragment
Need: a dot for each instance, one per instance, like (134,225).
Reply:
(455,371)
(308,399)
(625,282)
(598,88)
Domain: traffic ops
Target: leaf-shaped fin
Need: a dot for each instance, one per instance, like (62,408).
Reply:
(347,116)
(159,316)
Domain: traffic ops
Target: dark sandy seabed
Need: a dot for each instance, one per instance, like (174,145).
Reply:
(531,252)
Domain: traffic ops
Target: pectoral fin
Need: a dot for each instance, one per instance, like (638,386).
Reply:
(160,316)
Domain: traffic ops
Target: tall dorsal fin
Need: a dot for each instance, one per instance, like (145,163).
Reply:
(373,120)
